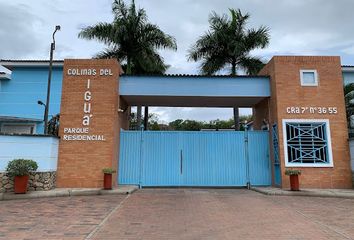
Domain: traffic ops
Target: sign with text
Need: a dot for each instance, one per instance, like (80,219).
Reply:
(89,121)
(83,133)
(311,110)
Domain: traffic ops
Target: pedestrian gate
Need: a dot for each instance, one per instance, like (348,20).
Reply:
(181,158)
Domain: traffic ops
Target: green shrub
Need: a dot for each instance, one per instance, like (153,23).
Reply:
(108,170)
(290,172)
(21,167)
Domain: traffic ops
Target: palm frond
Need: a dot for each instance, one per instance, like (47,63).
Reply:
(153,36)
(228,42)
(205,46)
(101,32)
(131,39)
(149,62)
(257,38)
(212,65)
(218,22)
(119,9)
(111,53)
(251,65)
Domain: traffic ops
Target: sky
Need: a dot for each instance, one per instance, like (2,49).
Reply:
(301,27)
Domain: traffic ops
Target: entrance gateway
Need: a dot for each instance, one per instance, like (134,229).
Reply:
(180,158)
(306,122)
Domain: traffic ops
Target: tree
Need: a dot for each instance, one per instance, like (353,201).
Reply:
(152,120)
(228,44)
(132,40)
(192,125)
(349,105)
(176,124)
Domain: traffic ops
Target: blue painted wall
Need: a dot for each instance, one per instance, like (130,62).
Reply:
(43,150)
(195,86)
(19,96)
(348,77)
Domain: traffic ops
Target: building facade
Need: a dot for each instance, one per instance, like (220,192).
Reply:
(299,99)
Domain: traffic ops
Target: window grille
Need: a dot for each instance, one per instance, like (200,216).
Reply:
(306,142)
(275,144)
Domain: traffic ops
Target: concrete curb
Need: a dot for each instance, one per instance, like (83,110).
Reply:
(68,192)
(306,193)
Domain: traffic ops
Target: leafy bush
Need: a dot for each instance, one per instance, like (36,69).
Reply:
(21,167)
(108,170)
(290,172)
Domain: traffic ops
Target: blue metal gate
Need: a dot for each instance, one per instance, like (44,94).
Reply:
(181,158)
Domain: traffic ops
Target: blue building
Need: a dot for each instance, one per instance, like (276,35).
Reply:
(20,92)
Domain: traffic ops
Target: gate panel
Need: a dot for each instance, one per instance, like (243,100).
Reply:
(259,162)
(213,159)
(129,157)
(161,158)
(172,158)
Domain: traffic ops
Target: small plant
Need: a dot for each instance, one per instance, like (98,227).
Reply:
(21,167)
(291,172)
(108,170)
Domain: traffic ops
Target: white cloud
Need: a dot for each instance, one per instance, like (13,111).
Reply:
(18,31)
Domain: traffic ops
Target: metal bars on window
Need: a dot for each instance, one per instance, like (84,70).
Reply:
(307,142)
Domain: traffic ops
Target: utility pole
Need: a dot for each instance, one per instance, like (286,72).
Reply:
(46,110)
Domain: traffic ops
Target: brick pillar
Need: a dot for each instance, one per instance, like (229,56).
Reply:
(89,126)
(287,92)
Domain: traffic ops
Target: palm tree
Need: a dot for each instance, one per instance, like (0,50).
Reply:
(132,40)
(228,44)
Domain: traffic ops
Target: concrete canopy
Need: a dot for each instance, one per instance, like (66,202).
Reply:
(194,91)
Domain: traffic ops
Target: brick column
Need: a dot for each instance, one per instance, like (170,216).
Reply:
(287,92)
(89,126)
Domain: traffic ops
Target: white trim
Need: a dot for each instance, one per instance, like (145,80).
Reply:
(329,144)
(302,71)
(19,124)
(6,76)
(348,69)
(9,64)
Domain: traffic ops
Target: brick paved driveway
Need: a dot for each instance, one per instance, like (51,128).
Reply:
(179,214)
(54,218)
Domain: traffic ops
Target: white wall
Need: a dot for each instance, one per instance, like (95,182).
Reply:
(43,150)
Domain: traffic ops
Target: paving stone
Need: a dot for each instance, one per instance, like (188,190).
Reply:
(178,214)
(227,214)
(54,218)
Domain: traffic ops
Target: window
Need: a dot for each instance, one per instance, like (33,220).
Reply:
(18,128)
(307,143)
(308,78)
